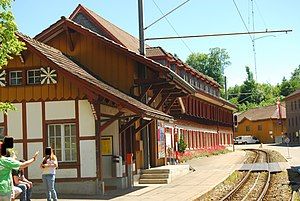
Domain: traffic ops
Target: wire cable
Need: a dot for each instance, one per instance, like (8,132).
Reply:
(242,19)
(164,16)
(260,14)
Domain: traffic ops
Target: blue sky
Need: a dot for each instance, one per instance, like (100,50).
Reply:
(275,56)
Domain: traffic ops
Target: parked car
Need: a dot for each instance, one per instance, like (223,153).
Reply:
(246,139)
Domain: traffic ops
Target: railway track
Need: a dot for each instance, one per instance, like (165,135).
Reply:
(254,185)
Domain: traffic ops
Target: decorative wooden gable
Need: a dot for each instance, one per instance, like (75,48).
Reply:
(48,76)
(3,78)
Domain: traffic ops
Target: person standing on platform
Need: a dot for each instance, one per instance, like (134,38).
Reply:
(49,166)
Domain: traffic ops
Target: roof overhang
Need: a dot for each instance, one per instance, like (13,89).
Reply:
(60,62)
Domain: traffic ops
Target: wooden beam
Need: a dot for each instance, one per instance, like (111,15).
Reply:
(142,126)
(128,124)
(144,92)
(122,117)
(151,81)
(176,90)
(110,121)
(69,39)
(170,105)
(21,56)
(165,86)
(162,102)
(155,95)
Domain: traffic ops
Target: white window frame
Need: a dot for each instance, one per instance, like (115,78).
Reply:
(36,78)
(15,78)
(63,140)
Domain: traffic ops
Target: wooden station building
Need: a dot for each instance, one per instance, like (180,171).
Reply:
(82,88)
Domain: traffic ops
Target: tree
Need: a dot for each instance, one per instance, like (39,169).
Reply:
(289,86)
(9,43)
(211,64)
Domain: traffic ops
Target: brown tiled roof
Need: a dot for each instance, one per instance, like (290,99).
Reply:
(130,41)
(62,62)
(262,113)
(140,58)
(122,36)
(295,93)
(155,52)
(159,51)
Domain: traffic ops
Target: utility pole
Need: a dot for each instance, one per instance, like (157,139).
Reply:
(225,86)
(143,74)
(141,27)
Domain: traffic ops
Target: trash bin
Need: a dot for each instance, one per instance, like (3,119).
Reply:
(117,168)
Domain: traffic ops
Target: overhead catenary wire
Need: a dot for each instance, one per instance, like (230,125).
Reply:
(220,34)
(238,10)
(166,14)
(173,27)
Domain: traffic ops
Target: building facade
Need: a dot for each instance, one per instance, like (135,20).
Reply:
(82,88)
(268,123)
(293,116)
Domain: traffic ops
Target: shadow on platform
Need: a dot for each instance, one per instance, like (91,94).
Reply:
(107,196)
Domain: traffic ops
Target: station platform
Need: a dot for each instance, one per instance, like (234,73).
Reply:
(271,167)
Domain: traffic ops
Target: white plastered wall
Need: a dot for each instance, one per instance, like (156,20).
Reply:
(55,110)
(34,120)
(86,119)
(19,150)
(112,129)
(88,158)
(66,173)
(1,117)
(14,122)
(34,171)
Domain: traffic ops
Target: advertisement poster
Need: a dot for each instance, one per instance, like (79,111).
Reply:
(161,141)
(106,145)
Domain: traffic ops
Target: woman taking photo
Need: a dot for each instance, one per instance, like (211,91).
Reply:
(6,166)
(49,166)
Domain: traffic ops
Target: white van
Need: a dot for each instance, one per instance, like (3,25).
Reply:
(246,139)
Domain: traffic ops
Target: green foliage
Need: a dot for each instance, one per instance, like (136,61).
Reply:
(211,64)
(181,145)
(10,45)
(4,107)
(252,94)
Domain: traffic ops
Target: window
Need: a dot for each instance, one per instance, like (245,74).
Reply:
(34,76)
(259,127)
(292,105)
(247,128)
(62,138)
(295,103)
(173,67)
(15,78)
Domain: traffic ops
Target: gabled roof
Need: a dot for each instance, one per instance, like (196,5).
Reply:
(295,93)
(117,34)
(160,52)
(122,37)
(65,22)
(263,113)
(62,63)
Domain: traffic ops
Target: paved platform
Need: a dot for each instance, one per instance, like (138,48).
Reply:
(208,173)
(271,167)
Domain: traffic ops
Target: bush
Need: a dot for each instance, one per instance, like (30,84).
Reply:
(181,145)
